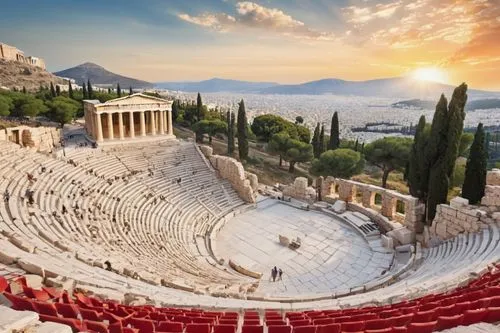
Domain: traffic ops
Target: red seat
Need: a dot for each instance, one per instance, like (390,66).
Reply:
(423,316)
(20,303)
(67,310)
(252,329)
(390,313)
(399,329)
(353,326)
(204,320)
(376,324)
(224,321)
(428,306)
(221,329)
(4,284)
(198,328)
(495,301)
(474,316)
(279,329)
(90,315)
(251,322)
(323,321)
(301,322)
(422,327)
(401,320)
(53,292)
(445,322)
(304,329)
(493,315)
(174,327)
(75,324)
(46,308)
(144,325)
(330,328)
(275,322)
(96,326)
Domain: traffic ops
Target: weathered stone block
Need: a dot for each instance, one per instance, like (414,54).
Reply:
(459,202)
(339,206)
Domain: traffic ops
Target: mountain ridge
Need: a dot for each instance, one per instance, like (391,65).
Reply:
(98,75)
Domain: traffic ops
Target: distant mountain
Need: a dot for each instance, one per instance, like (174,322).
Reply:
(216,85)
(472,105)
(100,76)
(401,87)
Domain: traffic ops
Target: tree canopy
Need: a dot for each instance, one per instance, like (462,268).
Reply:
(62,110)
(389,154)
(242,132)
(342,163)
(289,149)
(334,141)
(210,127)
(475,169)
(265,126)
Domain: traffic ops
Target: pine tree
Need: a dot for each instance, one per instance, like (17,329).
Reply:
(416,163)
(109,90)
(242,132)
(70,90)
(356,144)
(321,143)
(52,90)
(24,90)
(334,133)
(58,90)
(90,91)
(84,90)
(199,106)
(475,169)
(315,141)
(118,90)
(130,92)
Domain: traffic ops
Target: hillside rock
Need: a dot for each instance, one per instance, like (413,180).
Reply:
(18,75)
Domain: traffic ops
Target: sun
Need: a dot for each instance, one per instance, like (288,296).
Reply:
(430,74)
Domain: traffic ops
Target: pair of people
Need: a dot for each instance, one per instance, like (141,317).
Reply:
(277,273)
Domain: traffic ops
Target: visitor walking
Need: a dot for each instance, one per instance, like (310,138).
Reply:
(274,273)
(280,274)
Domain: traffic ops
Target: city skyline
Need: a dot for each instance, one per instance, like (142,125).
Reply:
(448,41)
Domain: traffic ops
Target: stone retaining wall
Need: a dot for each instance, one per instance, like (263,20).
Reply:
(42,139)
(245,183)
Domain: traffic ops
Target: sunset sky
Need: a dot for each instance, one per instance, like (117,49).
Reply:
(286,41)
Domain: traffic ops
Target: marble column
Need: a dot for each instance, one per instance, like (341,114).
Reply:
(131,124)
(152,123)
(120,126)
(161,114)
(143,124)
(111,134)
(99,137)
(170,125)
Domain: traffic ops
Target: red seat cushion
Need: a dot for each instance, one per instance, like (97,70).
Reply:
(275,322)
(174,327)
(198,328)
(304,329)
(252,329)
(382,330)
(423,316)
(445,322)
(422,327)
(46,308)
(474,316)
(401,320)
(75,324)
(279,329)
(20,303)
(493,315)
(329,328)
(67,310)
(353,326)
(90,314)
(96,326)
(222,329)
(376,324)
(144,325)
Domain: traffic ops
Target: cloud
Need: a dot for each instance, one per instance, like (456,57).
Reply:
(250,15)
(362,15)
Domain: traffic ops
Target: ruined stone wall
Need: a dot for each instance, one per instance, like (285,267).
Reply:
(300,191)
(9,52)
(42,139)
(245,183)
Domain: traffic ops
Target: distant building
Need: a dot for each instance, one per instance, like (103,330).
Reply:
(12,53)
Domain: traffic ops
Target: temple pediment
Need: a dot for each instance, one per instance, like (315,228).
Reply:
(137,99)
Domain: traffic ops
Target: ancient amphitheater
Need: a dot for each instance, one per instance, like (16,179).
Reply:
(163,236)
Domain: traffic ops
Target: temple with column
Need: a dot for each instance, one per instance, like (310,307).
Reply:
(136,116)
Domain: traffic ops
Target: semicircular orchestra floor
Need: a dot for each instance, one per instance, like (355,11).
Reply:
(332,256)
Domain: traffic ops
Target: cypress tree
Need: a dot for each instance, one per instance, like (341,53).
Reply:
(315,141)
(447,137)
(119,90)
(199,106)
(90,91)
(475,169)
(228,120)
(356,145)
(24,90)
(487,141)
(109,91)
(416,163)
(175,109)
(232,127)
(52,90)
(334,133)
(321,144)
(242,132)
(84,90)
(70,90)
(130,92)
(58,90)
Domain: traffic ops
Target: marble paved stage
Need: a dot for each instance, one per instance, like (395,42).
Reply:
(332,256)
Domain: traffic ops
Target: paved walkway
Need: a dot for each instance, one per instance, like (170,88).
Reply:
(332,256)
